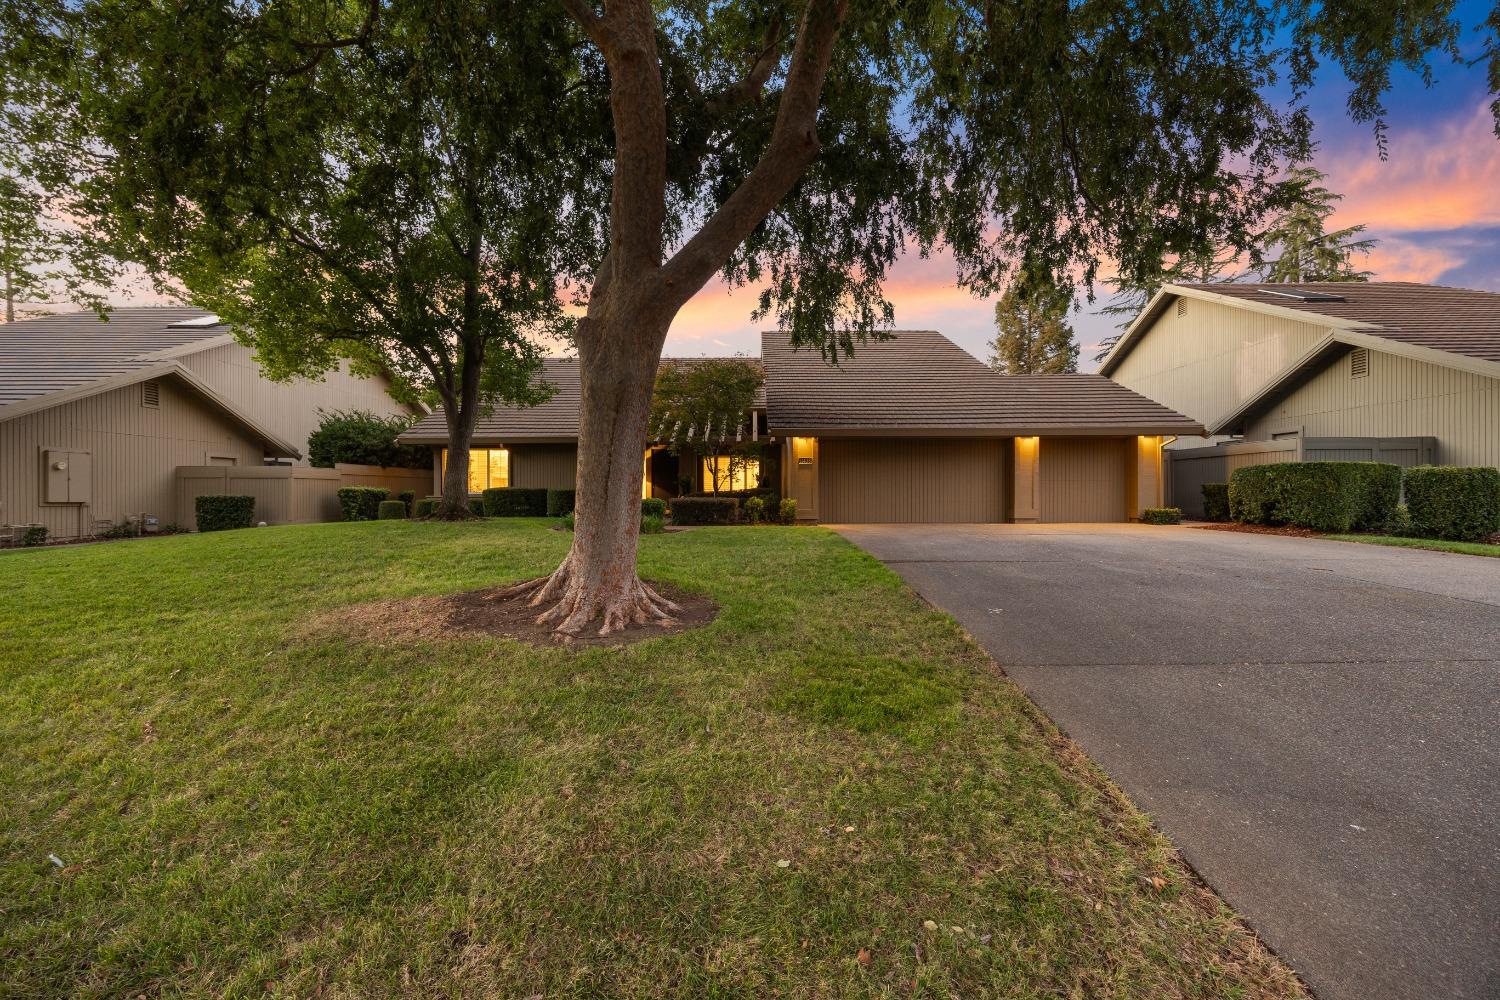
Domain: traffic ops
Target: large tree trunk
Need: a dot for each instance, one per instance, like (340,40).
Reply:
(597,582)
(462,411)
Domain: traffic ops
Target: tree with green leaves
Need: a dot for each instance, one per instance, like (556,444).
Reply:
(703,409)
(803,145)
(359,437)
(1032,335)
(44,263)
(1306,250)
(378,183)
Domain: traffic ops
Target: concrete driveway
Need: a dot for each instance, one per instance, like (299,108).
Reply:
(1313,723)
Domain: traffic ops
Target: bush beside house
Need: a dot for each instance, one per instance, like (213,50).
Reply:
(426,507)
(391,510)
(1457,504)
(560,503)
(1216,501)
(705,510)
(1161,515)
(223,513)
(361,438)
(362,503)
(1320,496)
(653,507)
(514,501)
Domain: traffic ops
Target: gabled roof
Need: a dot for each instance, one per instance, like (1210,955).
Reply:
(554,420)
(921,383)
(1452,326)
(39,357)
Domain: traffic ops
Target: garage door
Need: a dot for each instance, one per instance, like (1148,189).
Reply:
(910,480)
(1083,479)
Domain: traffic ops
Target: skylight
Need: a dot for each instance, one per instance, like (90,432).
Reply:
(209,320)
(1305,296)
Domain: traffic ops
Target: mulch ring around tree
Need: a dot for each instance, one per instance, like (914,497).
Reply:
(1265,529)
(487,613)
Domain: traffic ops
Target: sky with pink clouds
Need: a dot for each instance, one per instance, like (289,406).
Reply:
(1433,204)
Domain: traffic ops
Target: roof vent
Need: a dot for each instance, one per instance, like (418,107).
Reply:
(1302,295)
(151,394)
(209,320)
(1182,307)
(1359,362)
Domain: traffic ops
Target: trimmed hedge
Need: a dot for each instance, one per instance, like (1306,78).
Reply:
(33,535)
(426,507)
(561,502)
(652,525)
(1320,496)
(653,507)
(1161,515)
(1456,503)
(391,510)
(787,511)
(362,503)
(476,507)
(224,513)
(755,510)
(1216,501)
(514,501)
(407,497)
(705,510)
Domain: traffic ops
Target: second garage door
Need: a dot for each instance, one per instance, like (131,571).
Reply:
(911,480)
(1083,479)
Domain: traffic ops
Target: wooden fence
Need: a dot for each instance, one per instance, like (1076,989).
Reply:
(288,494)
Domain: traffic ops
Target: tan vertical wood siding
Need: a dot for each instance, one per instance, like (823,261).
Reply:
(1212,358)
(538,466)
(287,409)
(134,449)
(1085,479)
(911,480)
(1399,397)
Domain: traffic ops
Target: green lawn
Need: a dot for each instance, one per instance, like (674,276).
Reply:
(246,806)
(1436,544)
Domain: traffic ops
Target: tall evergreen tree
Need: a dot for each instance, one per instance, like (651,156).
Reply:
(1305,249)
(1032,335)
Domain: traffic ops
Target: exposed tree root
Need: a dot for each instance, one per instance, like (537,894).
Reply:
(453,514)
(575,604)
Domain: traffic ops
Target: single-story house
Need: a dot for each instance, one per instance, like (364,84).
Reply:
(911,429)
(1394,371)
(96,417)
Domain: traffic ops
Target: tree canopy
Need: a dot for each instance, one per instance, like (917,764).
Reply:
(704,408)
(1032,335)
(1305,248)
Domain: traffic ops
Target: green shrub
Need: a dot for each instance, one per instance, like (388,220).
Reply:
(1321,496)
(787,511)
(569,521)
(1161,515)
(35,534)
(476,506)
(409,498)
(123,529)
(653,507)
(755,510)
(514,501)
(426,507)
(362,438)
(224,513)
(1216,501)
(652,525)
(560,502)
(361,503)
(1400,523)
(1455,503)
(705,510)
(390,510)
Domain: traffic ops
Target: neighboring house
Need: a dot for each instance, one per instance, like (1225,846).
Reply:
(96,417)
(1383,370)
(913,429)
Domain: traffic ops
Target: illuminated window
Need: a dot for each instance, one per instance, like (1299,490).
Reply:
(733,473)
(488,468)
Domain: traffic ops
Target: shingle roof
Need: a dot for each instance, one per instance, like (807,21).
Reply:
(922,382)
(1460,321)
(554,420)
(41,356)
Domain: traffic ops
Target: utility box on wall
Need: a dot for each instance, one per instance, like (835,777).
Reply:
(68,477)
